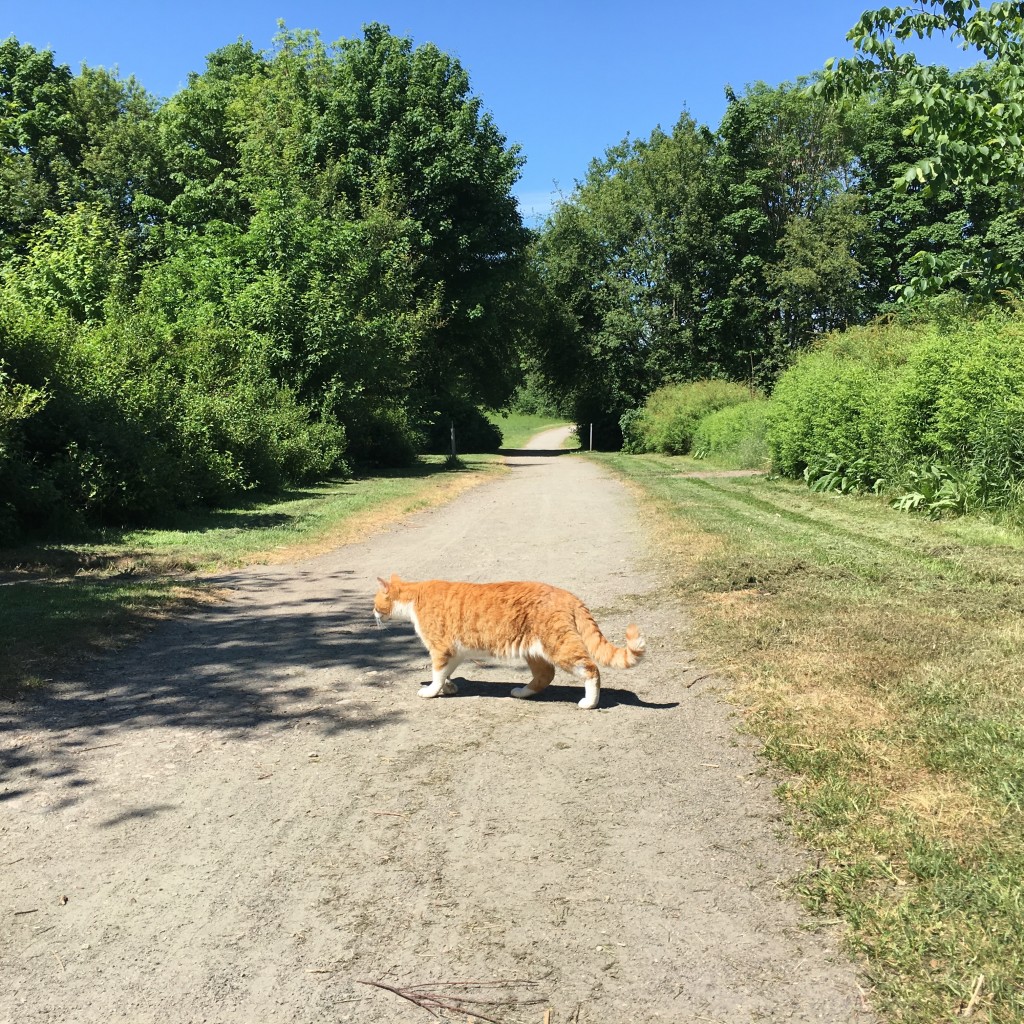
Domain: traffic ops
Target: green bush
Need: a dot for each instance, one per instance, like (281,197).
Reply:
(936,411)
(670,416)
(734,436)
(19,486)
(832,405)
(138,421)
(474,432)
(383,437)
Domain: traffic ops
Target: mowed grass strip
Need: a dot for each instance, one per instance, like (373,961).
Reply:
(879,658)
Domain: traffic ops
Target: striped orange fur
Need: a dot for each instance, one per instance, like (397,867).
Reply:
(540,624)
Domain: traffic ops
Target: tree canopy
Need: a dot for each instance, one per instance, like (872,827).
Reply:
(967,127)
(306,256)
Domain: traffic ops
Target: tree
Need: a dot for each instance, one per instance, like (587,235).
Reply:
(40,140)
(968,126)
(791,234)
(626,265)
(200,138)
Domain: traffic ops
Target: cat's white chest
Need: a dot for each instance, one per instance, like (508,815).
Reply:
(406,610)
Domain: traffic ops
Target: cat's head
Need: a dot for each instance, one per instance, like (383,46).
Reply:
(384,600)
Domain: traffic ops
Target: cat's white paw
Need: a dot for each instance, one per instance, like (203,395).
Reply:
(449,688)
(523,691)
(589,703)
(428,691)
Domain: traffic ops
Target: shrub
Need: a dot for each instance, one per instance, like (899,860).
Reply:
(734,436)
(670,416)
(832,405)
(383,437)
(21,490)
(960,401)
(936,410)
(139,420)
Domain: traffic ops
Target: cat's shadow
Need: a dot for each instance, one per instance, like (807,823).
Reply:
(611,696)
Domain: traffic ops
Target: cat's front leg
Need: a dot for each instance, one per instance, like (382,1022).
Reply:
(443,667)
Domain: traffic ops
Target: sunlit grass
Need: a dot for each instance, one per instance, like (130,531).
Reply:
(877,655)
(518,428)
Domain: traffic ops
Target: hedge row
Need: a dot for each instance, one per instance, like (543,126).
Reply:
(907,404)
(931,413)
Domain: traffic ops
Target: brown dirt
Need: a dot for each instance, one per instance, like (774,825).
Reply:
(250,810)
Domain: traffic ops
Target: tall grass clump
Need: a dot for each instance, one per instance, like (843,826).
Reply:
(933,414)
(734,436)
(669,418)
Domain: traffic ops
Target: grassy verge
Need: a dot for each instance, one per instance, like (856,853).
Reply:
(517,428)
(878,656)
(61,601)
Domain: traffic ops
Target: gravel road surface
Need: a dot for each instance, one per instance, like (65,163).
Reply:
(250,811)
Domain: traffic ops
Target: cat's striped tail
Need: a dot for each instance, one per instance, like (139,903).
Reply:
(602,650)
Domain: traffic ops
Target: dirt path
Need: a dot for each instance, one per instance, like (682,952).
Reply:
(239,817)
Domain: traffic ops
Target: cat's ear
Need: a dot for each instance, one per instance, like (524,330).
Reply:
(383,584)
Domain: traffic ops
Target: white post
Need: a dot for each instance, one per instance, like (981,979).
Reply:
(591,436)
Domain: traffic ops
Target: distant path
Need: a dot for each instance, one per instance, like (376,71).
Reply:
(239,817)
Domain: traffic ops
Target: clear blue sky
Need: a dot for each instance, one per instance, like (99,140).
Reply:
(564,78)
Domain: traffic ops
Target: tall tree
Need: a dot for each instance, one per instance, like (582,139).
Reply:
(968,126)
(627,264)
(792,236)
(40,140)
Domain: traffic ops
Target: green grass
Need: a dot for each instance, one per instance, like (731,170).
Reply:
(61,601)
(878,657)
(518,428)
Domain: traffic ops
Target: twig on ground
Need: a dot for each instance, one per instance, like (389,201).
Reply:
(969,1008)
(18,913)
(693,682)
(427,996)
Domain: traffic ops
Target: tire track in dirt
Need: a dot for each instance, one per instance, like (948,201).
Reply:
(251,809)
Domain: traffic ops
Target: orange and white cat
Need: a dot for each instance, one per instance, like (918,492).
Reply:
(543,625)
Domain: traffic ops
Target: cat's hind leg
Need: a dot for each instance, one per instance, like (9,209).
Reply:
(588,672)
(443,666)
(573,657)
(543,672)
(584,669)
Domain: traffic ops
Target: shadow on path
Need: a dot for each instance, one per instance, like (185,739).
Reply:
(611,696)
(233,668)
(543,453)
